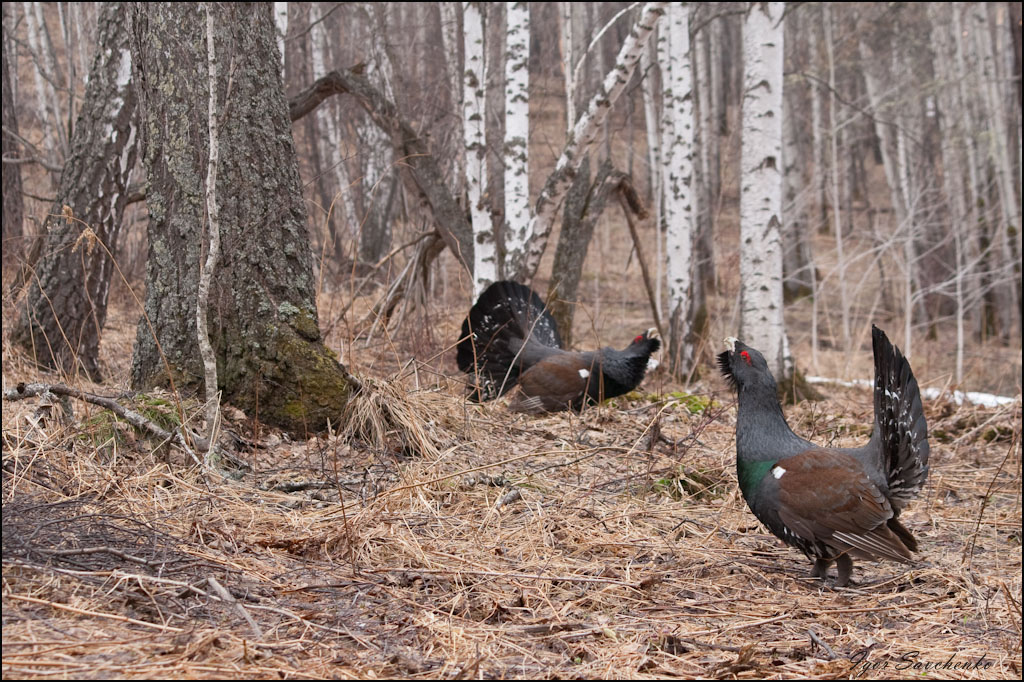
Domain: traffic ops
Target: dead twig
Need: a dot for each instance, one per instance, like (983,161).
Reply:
(226,596)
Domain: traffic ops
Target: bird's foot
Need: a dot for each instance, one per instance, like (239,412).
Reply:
(820,569)
(844,564)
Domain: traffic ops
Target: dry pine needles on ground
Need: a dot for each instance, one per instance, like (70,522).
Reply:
(437,538)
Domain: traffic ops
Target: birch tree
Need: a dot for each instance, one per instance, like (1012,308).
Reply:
(953,176)
(281,22)
(676,181)
(451,37)
(567,36)
(517,130)
(761,313)
(485,254)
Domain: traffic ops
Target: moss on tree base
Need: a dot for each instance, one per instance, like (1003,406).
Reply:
(295,384)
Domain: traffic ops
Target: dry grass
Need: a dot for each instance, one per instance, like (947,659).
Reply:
(470,542)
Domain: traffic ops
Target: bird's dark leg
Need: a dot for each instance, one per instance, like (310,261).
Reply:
(820,569)
(845,566)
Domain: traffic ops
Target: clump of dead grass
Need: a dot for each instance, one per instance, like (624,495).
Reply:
(382,413)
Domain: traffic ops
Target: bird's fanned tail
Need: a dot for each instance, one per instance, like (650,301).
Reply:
(505,318)
(900,426)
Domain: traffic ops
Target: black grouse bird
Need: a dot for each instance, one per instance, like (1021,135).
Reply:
(833,504)
(509,339)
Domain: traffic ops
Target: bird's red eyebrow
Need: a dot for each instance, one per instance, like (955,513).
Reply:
(639,338)
(746,356)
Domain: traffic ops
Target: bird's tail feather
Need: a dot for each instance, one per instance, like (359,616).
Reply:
(899,420)
(507,317)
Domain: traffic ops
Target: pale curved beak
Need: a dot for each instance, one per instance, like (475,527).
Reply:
(730,343)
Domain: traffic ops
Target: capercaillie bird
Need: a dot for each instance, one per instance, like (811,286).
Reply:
(510,341)
(833,504)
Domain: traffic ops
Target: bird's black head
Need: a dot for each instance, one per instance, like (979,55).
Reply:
(648,342)
(744,366)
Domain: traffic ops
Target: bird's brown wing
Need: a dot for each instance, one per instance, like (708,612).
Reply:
(553,383)
(824,496)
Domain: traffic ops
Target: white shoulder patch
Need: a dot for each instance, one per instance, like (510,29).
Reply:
(777,471)
(584,373)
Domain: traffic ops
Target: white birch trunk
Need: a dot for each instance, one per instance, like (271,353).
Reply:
(677,180)
(761,319)
(517,130)
(281,21)
(451,37)
(485,263)
(568,62)
(582,138)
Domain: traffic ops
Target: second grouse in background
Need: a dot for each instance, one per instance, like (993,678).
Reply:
(833,504)
(509,339)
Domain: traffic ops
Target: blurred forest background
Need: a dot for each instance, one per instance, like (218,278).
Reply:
(901,170)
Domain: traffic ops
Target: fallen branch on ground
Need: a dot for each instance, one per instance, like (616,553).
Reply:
(183,437)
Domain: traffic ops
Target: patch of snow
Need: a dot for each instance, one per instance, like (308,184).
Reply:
(958,397)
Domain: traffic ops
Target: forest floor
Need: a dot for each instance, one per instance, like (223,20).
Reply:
(609,544)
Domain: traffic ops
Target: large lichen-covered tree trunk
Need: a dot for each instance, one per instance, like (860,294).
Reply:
(263,319)
(66,305)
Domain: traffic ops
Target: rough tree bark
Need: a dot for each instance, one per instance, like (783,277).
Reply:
(271,360)
(66,306)
(583,206)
